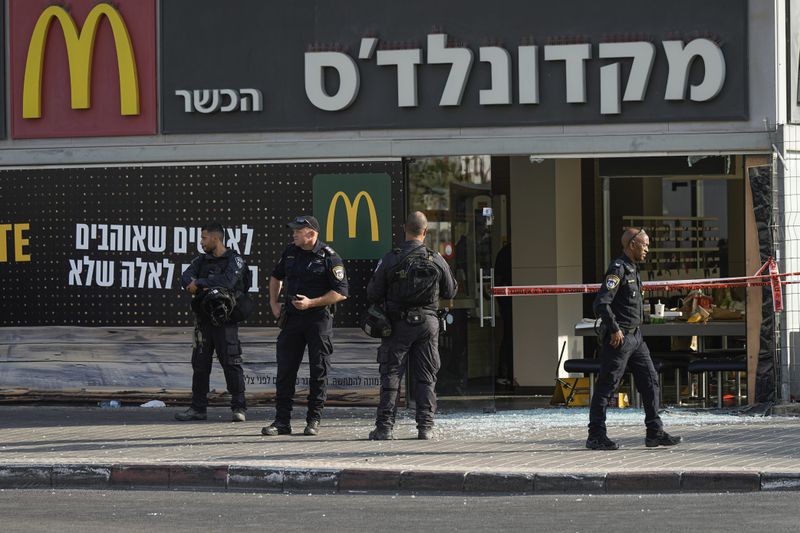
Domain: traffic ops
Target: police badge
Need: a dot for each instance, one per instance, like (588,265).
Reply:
(338,272)
(612,282)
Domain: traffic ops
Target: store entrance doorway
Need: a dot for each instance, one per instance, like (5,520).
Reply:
(467,210)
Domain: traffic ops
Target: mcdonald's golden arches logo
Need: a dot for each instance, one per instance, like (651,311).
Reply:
(352,214)
(90,32)
(356,210)
(80,52)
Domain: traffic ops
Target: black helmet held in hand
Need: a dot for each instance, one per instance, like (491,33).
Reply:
(217,304)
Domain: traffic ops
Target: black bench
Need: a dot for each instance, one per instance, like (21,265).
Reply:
(582,366)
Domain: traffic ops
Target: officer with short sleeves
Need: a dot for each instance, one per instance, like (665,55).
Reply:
(619,304)
(313,280)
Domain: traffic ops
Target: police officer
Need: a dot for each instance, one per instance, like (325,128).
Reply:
(415,330)
(313,279)
(619,304)
(219,271)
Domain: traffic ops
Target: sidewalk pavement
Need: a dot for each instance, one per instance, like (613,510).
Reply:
(531,451)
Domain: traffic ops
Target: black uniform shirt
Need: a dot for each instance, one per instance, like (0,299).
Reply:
(619,301)
(377,286)
(311,273)
(209,271)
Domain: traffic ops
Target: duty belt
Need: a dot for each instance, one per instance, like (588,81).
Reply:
(401,315)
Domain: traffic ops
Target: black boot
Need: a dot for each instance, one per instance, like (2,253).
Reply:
(601,442)
(191,414)
(425,433)
(381,434)
(276,428)
(661,438)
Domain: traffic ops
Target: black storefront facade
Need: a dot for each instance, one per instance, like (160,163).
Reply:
(591,118)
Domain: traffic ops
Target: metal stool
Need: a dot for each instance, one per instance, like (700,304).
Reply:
(677,361)
(720,365)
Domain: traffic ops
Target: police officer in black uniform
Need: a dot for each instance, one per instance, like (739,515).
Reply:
(221,271)
(415,332)
(313,278)
(619,304)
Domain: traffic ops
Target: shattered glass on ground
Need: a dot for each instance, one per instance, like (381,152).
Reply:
(511,424)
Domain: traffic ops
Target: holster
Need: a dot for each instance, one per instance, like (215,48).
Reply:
(601,331)
(283,317)
(441,314)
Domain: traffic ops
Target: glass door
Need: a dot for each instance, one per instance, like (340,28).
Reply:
(456,195)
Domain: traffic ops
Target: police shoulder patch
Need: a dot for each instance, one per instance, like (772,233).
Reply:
(338,272)
(611,282)
(239,261)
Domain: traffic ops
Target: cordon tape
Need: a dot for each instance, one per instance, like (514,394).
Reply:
(768,274)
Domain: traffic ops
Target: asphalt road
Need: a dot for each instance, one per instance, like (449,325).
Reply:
(153,511)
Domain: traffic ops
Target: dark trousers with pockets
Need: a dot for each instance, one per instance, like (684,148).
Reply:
(225,341)
(419,344)
(313,330)
(634,355)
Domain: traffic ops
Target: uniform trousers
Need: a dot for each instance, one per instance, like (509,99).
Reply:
(314,330)
(419,344)
(225,341)
(633,355)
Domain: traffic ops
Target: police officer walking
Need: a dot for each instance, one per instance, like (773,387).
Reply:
(619,304)
(409,281)
(313,279)
(215,279)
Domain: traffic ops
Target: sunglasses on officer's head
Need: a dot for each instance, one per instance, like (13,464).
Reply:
(641,230)
(302,220)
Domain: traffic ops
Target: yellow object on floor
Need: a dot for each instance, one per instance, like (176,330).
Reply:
(571,392)
(620,400)
(575,392)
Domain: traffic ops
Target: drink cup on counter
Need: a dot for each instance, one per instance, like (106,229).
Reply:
(658,314)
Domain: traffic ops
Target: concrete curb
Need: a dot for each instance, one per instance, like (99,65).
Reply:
(277,479)
(642,482)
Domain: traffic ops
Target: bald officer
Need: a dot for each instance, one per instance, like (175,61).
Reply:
(619,304)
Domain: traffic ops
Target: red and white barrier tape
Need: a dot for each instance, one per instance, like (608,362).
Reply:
(775,282)
(774,279)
